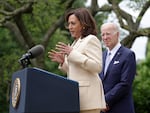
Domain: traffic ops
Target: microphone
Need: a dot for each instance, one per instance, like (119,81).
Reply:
(32,53)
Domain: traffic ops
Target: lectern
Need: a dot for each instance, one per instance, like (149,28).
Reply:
(34,90)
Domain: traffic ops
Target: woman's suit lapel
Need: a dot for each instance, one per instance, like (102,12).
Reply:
(76,44)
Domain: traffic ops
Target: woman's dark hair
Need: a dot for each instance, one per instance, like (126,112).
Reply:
(86,20)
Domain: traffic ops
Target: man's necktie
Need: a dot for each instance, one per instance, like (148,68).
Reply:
(107,61)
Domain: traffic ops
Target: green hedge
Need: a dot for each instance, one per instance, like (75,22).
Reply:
(141,86)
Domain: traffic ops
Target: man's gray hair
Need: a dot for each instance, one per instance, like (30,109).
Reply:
(115,25)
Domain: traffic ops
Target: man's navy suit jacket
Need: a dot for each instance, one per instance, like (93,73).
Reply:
(118,81)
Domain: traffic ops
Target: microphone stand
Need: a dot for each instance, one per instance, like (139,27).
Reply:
(24,61)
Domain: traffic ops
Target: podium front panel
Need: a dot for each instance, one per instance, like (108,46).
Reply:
(45,92)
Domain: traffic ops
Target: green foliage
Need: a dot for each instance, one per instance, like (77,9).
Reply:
(79,3)
(141,87)
(8,66)
(44,14)
(9,51)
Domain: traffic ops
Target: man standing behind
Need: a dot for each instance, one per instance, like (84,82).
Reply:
(119,69)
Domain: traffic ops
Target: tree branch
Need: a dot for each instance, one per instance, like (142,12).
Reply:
(58,23)
(9,14)
(144,9)
(14,29)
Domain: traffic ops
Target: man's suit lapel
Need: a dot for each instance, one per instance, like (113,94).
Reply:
(113,61)
(104,58)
